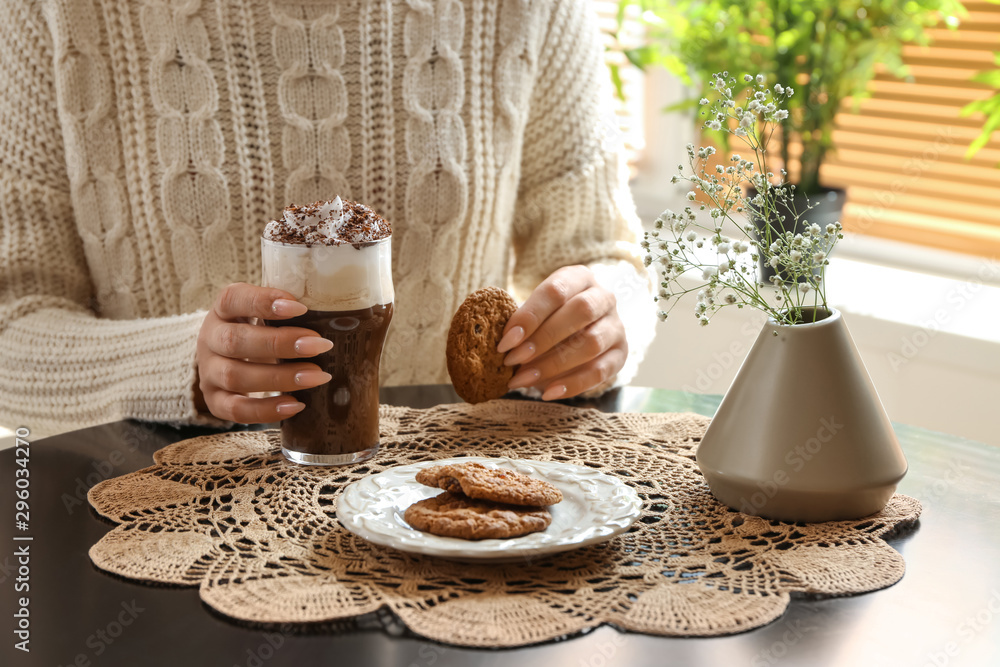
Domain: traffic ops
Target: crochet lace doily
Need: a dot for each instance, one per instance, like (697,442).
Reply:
(259,536)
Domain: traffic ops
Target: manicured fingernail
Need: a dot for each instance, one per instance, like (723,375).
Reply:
(524,378)
(290,408)
(310,346)
(552,393)
(288,308)
(312,378)
(510,339)
(520,355)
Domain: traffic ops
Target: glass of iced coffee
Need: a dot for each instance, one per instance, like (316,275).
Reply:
(335,257)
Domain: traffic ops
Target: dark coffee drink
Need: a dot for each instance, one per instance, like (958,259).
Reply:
(341,416)
(336,259)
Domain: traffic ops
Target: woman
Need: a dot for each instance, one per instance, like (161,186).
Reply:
(145,145)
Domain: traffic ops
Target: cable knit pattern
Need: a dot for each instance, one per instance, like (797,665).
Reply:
(189,148)
(147,142)
(515,62)
(378,156)
(94,156)
(249,121)
(437,190)
(312,97)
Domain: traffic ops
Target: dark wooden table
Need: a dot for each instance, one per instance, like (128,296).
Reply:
(945,611)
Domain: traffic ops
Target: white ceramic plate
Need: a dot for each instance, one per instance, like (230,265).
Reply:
(595,508)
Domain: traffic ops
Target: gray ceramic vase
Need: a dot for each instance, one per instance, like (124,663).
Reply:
(801,435)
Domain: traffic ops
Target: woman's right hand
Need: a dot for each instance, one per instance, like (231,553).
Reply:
(236,358)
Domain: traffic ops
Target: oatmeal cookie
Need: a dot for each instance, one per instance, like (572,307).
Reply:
(476,368)
(500,486)
(450,515)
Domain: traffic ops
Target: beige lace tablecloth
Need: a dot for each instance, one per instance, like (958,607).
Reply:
(259,537)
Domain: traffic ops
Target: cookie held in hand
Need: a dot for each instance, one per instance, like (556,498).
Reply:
(450,515)
(494,484)
(476,368)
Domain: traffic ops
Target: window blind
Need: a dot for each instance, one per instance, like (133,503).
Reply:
(901,157)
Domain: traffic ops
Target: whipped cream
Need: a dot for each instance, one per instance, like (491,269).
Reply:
(332,256)
(334,222)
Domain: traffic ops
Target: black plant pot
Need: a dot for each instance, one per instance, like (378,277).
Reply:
(827,206)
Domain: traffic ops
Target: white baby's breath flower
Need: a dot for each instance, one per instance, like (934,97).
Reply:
(730,298)
(746,122)
(780,114)
(662,315)
(714,125)
(691,195)
(703,101)
(814,229)
(703,320)
(774,261)
(795,255)
(789,91)
(748,78)
(709,272)
(723,248)
(831,229)
(819,257)
(760,78)
(691,236)
(778,88)
(723,267)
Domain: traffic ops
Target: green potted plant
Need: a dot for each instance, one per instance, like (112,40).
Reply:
(826,51)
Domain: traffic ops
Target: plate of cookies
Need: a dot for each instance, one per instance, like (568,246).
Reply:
(488,509)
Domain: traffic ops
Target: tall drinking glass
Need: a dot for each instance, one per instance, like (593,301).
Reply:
(348,290)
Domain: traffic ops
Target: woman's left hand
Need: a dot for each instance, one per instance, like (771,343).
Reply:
(567,337)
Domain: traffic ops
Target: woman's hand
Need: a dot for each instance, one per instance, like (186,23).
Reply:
(236,358)
(567,337)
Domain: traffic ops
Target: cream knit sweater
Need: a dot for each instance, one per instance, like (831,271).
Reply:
(144,145)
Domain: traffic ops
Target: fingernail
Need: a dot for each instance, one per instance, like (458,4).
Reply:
(510,339)
(290,408)
(520,355)
(554,392)
(310,346)
(524,378)
(312,378)
(287,308)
